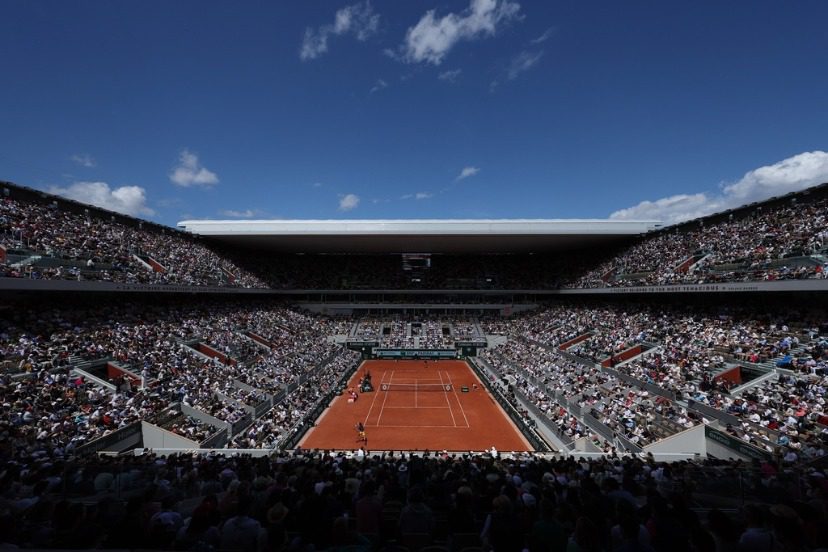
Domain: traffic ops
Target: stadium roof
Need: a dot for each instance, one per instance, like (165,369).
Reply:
(417,236)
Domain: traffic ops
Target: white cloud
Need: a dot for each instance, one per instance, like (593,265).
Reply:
(450,76)
(84,160)
(379,85)
(523,62)
(189,172)
(247,213)
(348,202)
(432,38)
(789,175)
(391,53)
(314,44)
(129,200)
(520,63)
(418,196)
(358,20)
(671,209)
(467,172)
(547,34)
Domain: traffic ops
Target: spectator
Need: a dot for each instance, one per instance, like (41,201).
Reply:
(241,532)
(416,517)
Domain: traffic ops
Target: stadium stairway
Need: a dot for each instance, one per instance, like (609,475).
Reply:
(479,331)
(74,359)
(771,364)
(496,340)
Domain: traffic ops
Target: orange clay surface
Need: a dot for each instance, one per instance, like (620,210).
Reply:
(408,419)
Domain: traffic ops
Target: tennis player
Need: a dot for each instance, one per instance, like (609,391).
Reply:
(361,432)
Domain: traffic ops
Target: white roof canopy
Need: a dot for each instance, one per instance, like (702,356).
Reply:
(424,236)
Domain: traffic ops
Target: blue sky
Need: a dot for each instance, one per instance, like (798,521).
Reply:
(419,109)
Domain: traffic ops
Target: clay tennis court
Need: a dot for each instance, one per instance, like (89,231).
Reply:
(417,405)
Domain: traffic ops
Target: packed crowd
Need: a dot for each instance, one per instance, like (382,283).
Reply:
(45,240)
(287,417)
(439,332)
(238,347)
(46,400)
(293,349)
(611,329)
(64,411)
(188,427)
(510,382)
(50,243)
(683,352)
(543,375)
(432,335)
(465,330)
(759,245)
(263,352)
(308,501)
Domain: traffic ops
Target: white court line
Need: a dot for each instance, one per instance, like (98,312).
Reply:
(418,426)
(384,399)
(458,399)
(418,382)
(375,398)
(445,394)
(416,407)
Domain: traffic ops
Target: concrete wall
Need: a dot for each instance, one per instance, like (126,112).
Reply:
(584,444)
(689,441)
(722,445)
(720,451)
(118,441)
(155,437)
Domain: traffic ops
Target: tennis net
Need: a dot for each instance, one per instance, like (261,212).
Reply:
(415,387)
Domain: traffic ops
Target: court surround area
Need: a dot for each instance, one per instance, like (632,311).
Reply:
(417,405)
